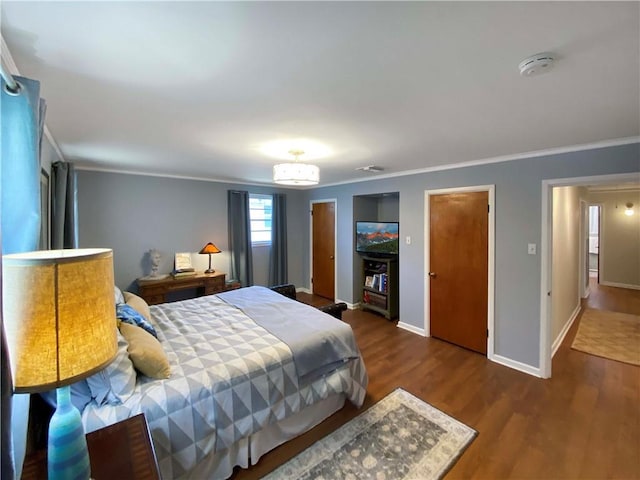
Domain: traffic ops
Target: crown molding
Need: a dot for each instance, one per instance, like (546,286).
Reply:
(504,158)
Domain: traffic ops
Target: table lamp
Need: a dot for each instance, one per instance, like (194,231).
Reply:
(59,316)
(209,248)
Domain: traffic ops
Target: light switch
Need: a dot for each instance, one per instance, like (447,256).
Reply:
(408,240)
(531,249)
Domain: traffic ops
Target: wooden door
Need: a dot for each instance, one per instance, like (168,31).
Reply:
(323,262)
(458,260)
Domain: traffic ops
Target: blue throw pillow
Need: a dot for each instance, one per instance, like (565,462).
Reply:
(128,314)
(80,395)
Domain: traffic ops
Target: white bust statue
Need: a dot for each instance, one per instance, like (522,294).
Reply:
(155,256)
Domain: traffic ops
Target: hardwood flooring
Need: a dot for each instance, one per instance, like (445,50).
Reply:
(582,423)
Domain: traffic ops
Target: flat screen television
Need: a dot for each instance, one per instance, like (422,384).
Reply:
(377,238)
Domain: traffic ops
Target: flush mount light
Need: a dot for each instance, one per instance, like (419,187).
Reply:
(296,173)
(536,64)
(629,210)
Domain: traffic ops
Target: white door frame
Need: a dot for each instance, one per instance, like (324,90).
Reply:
(583,278)
(546,252)
(335,243)
(491,259)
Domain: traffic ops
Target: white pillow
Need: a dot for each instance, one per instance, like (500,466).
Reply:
(118,295)
(115,383)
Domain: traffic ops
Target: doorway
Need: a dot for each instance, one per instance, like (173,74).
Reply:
(594,242)
(459,267)
(323,252)
(546,251)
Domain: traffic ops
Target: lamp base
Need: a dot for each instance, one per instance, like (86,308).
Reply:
(209,270)
(67,454)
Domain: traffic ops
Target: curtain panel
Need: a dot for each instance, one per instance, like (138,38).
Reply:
(64,206)
(240,237)
(21,137)
(278,258)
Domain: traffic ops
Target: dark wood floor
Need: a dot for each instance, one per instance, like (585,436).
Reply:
(582,423)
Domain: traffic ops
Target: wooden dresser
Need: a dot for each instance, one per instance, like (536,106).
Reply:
(155,291)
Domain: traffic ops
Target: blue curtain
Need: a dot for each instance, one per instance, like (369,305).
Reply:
(240,237)
(20,212)
(278,259)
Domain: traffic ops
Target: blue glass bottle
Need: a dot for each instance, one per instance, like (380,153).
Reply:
(68,457)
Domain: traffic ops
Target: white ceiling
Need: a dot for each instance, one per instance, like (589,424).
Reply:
(194,88)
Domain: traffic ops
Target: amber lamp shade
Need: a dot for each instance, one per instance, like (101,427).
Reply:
(60,323)
(209,248)
(59,316)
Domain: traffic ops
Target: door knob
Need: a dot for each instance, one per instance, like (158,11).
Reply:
(331,257)
(432,274)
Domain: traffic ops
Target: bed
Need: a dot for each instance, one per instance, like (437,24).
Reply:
(250,369)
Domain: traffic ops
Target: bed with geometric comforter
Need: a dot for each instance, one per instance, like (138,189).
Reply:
(232,377)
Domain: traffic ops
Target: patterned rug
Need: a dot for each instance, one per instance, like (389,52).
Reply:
(400,437)
(610,335)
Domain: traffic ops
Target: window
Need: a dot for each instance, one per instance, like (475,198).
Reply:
(260,216)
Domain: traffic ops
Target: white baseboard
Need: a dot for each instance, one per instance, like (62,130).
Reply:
(350,306)
(412,329)
(304,290)
(563,332)
(620,285)
(523,367)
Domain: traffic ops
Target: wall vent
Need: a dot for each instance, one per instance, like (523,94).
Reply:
(371,168)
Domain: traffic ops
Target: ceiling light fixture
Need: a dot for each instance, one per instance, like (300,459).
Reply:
(629,210)
(536,64)
(296,173)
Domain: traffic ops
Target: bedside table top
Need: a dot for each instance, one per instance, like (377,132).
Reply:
(121,450)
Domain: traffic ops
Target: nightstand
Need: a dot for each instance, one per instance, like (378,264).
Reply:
(122,450)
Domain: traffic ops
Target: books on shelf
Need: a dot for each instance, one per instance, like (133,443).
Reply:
(377,281)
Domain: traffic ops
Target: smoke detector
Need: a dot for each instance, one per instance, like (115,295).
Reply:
(536,64)
(371,168)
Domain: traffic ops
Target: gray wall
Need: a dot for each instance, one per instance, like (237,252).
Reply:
(133,213)
(517,214)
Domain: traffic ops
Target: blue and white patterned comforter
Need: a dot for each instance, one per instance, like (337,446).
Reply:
(230,378)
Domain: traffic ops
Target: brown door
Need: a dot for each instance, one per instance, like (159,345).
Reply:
(458,260)
(323,231)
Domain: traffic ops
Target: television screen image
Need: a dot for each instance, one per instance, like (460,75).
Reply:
(377,238)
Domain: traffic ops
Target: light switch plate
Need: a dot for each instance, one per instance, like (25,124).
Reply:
(531,249)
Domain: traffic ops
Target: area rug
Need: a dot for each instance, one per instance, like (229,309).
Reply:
(610,335)
(400,437)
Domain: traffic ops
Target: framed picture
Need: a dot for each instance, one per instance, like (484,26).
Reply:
(45,211)
(183,262)
(368,281)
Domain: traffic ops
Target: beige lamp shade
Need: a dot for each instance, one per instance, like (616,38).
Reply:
(59,316)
